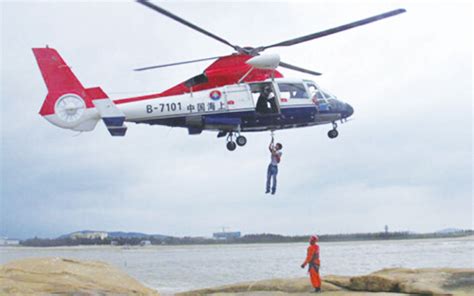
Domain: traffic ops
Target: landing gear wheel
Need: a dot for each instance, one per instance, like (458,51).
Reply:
(231,146)
(241,140)
(333,133)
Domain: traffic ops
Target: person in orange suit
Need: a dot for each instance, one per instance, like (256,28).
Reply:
(312,260)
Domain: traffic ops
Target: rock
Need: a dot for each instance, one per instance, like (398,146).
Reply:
(46,276)
(373,283)
(431,281)
(338,280)
(395,281)
(285,286)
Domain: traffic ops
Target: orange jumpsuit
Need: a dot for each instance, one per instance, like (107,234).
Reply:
(312,259)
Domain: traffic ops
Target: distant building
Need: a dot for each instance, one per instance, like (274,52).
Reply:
(89,235)
(114,243)
(386,229)
(5,241)
(145,243)
(226,235)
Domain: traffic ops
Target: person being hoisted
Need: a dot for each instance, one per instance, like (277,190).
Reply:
(312,260)
(272,170)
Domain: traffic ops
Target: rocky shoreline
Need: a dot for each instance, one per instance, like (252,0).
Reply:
(394,281)
(60,276)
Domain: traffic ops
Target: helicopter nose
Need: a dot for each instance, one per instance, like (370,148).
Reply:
(349,110)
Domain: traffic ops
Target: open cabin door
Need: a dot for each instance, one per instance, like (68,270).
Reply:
(265,98)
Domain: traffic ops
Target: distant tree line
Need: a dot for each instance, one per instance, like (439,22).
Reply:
(62,241)
(246,239)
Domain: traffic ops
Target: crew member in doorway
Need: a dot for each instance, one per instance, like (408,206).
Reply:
(312,260)
(272,170)
(266,98)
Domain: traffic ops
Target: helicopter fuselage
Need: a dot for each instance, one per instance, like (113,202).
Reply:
(291,103)
(230,97)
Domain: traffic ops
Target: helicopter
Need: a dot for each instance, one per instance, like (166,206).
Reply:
(238,93)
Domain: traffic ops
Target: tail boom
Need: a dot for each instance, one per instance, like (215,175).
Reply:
(68,104)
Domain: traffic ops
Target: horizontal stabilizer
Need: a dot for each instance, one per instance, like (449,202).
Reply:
(112,117)
(118,131)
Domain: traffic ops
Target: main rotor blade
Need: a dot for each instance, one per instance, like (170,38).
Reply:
(292,67)
(335,30)
(185,22)
(175,64)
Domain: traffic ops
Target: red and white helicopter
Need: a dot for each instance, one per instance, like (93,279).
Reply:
(240,92)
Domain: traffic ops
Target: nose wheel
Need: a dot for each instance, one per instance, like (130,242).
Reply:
(333,133)
(239,140)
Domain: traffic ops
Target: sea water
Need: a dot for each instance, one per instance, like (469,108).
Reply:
(171,269)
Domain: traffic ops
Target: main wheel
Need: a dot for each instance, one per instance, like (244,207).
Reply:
(333,133)
(231,146)
(241,140)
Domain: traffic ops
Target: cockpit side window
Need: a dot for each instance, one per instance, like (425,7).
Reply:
(293,91)
(315,93)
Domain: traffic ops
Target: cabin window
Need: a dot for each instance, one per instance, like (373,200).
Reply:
(293,91)
(199,79)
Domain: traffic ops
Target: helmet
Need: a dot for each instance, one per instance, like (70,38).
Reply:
(313,239)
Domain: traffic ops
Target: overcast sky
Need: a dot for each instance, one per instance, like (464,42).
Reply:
(404,161)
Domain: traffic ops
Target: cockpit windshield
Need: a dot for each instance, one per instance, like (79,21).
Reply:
(328,95)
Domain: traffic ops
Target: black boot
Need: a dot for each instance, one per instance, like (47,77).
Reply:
(317,290)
